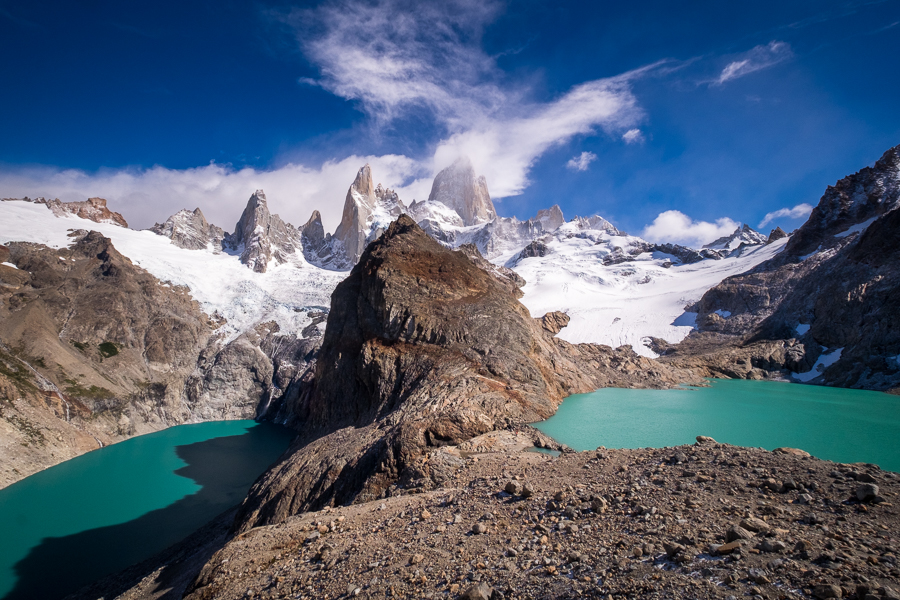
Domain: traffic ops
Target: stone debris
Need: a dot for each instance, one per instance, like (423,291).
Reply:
(603,524)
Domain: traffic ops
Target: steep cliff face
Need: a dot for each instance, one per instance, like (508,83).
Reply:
(190,230)
(93,348)
(368,209)
(424,349)
(261,237)
(458,188)
(828,301)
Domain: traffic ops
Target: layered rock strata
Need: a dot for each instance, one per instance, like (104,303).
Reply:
(424,349)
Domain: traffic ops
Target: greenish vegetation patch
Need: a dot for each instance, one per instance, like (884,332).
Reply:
(18,373)
(80,345)
(93,392)
(108,349)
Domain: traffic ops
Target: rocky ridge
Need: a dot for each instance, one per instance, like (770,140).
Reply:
(424,349)
(824,310)
(92,350)
(190,230)
(93,209)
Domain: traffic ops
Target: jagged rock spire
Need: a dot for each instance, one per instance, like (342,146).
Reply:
(459,188)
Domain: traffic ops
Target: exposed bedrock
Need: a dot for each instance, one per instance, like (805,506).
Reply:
(424,349)
(826,308)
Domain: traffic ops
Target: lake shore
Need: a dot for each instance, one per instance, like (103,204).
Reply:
(706,520)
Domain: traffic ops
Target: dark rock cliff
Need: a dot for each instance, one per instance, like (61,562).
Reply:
(424,349)
(834,286)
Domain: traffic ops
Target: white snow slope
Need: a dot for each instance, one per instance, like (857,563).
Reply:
(219,282)
(627,302)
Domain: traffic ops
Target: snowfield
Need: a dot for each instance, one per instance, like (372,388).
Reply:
(627,302)
(622,303)
(219,282)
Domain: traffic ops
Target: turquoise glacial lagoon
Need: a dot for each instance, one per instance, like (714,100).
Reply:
(96,514)
(830,423)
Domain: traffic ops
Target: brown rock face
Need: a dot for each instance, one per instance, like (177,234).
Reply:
(94,209)
(424,349)
(92,350)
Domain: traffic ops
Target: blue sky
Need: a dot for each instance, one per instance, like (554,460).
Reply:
(722,112)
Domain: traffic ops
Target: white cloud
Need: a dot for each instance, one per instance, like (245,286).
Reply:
(582,161)
(393,61)
(801,211)
(675,227)
(633,136)
(758,58)
(145,196)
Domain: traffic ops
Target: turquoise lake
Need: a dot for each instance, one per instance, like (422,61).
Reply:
(830,423)
(96,514)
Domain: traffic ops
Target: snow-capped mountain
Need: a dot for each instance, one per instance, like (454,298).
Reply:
(585,267)
(742,235)
(190,230)
(458,188)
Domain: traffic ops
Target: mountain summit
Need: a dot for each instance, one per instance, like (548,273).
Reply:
(458,188)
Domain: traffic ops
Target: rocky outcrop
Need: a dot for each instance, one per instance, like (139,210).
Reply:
(261,237)
(249,376)
(743,235)
(458,188)
(550,218)
(776,234)
(832,291)
(190,230)
(423,349)
(92,350)
(94,209)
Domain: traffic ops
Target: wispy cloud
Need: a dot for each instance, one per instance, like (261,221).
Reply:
(581,162)
(675,227)
(801,211)
(145,196)
(760,57)
(633,136)
(392,59)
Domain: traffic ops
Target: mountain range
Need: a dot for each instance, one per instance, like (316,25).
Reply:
(107,332)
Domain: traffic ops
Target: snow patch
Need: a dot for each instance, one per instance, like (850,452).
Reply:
(801,329)
(9,264)
(856,228)
(814,252)
(826,359)
(219,282)
(723,313)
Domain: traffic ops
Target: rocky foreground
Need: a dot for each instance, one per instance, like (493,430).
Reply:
(703,521)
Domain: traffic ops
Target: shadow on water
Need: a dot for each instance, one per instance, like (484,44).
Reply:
(224,467)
